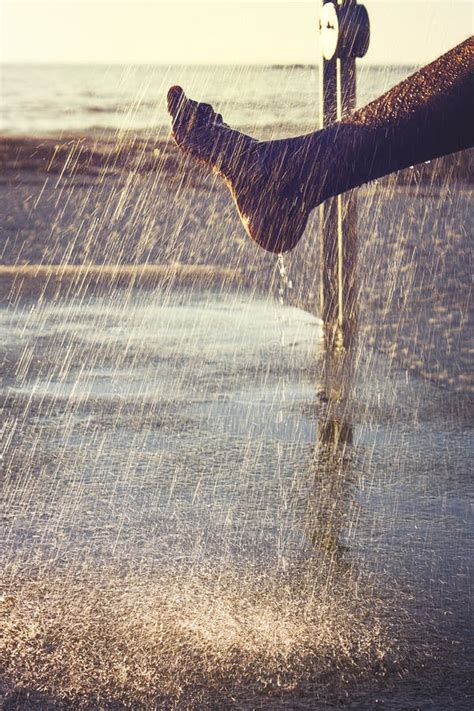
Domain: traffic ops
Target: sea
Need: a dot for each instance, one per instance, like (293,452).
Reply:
(263,100)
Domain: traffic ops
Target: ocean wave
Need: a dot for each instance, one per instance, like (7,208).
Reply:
(246,96)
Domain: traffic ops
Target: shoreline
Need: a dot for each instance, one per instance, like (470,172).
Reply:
(112,154)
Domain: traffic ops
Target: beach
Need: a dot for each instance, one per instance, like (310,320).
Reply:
(202,508)
(187,522)
(107,206)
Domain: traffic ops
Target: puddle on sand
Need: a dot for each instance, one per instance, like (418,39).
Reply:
(185,521)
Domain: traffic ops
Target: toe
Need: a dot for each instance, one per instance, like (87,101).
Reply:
(206,112)
(176,99)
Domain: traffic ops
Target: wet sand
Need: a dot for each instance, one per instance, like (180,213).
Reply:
(88,201)
(182,528)
(188,523)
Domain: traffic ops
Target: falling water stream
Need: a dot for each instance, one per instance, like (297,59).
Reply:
(186,520)
(201,508)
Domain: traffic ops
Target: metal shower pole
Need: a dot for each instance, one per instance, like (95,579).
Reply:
(344,33)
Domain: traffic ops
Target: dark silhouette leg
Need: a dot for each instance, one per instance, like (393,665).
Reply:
(276,184)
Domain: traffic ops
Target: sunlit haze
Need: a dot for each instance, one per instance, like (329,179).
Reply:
(217,32)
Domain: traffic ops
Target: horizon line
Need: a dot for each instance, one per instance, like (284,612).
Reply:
(141,63)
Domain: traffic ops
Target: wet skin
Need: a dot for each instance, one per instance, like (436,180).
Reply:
(263,177)
(276,184)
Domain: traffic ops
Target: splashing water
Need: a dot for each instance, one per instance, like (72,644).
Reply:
(188,520)
(179,638)
(172,539)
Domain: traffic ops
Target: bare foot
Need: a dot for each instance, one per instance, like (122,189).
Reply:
(277,183)
(264,177)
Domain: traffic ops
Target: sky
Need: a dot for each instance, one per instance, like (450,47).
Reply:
(193,31)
